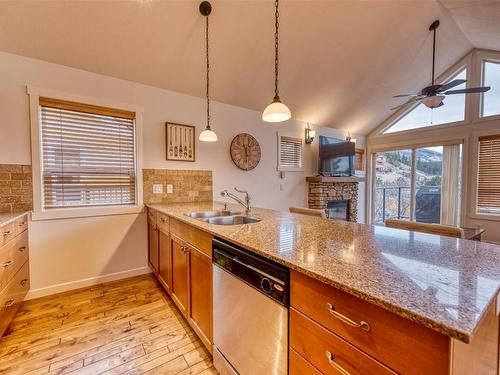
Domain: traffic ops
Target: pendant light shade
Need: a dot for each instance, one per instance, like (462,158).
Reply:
(276,111)
(207,135)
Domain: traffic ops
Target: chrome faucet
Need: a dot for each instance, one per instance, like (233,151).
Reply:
(245,203)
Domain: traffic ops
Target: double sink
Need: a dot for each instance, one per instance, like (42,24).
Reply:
(222,217)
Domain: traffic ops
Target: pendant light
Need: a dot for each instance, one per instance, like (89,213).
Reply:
(276,111)
(207,135)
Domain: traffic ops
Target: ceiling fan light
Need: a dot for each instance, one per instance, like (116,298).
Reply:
(433,101)
(208,135)
(276,112)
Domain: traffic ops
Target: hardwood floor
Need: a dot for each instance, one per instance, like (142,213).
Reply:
(125,327)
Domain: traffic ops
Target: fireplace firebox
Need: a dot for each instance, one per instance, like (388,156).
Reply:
(338,210)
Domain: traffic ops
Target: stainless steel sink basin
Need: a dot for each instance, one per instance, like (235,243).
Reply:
(231,220)
(211,214)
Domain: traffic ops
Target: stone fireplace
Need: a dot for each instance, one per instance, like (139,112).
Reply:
(338,196)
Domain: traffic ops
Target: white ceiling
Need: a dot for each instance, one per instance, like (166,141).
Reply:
(341,61)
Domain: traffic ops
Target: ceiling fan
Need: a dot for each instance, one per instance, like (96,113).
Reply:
(432,96)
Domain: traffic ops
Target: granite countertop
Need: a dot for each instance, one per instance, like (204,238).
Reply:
(7,217)
(443,283)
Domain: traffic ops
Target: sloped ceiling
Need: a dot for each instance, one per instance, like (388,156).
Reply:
(341,61)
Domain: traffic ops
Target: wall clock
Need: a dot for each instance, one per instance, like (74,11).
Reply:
(245,151)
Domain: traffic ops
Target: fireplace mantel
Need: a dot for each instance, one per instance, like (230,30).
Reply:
(334,179)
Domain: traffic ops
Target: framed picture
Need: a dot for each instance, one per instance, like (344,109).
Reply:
(180,142)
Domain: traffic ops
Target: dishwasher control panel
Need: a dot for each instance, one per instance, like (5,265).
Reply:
(262,274)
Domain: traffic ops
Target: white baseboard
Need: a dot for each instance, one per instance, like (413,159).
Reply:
(64,287)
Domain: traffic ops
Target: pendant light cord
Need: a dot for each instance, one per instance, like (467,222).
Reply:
(276,49)
(208,75)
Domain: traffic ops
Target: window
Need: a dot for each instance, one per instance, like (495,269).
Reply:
(490,104)
(290,151)
(421,116)
(488,189)
(421,184)
(87,155)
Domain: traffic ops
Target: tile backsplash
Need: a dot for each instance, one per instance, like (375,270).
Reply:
(16,188)
(188,185)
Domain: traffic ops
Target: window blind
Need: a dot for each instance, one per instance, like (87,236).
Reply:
(290,153)
(488,190)
(88,155)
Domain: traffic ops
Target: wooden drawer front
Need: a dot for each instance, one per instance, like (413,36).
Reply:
(198,238)
(395,341)
(299,366)
(316,344)
(21,224)
(13,295)
(162,222)
(152,216)
(7,232)
(12,256)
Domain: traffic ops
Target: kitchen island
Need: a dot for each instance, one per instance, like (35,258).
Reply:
(438,292)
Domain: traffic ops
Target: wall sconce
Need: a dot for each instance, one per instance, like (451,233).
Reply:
(348,138)
(310,134)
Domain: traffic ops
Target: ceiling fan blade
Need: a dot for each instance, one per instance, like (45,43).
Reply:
(471,90)
(451,84)
(409,102)
(404,95)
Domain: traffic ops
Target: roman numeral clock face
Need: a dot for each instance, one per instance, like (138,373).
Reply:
(245,151)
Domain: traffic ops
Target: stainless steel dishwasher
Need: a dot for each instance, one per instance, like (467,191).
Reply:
(250,304)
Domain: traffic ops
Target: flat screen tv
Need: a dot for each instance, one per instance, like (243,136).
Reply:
(336,157)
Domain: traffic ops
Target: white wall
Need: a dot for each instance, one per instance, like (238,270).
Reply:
(75,252)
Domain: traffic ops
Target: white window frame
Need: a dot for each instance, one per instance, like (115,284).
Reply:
(39,213)
(280,168)
(479,58)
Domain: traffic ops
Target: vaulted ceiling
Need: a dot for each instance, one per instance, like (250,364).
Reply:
(341,61)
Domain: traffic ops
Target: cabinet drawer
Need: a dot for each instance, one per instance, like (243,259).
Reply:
(12,256)
(198,238)
(21,224)
(13,295)
(328,352)
(162,222)
(399,343)
(7,232)
(299,366)
(152,216)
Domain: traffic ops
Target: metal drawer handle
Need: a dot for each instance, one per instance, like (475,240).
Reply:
(23,282)
(363,325)
(21,224)
(7,264)
(9,303)
(6,233)
(163,220)
(337,367)
(22,248)
(184,249)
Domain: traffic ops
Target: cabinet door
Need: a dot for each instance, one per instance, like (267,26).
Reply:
(153,247)
(180,262)
(165,254)
(200,288)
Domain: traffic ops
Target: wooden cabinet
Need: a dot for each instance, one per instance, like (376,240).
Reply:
(165,259)
(180,274)
(364,338)
(200,292)
(388,335)
(181,256)
(14,268)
